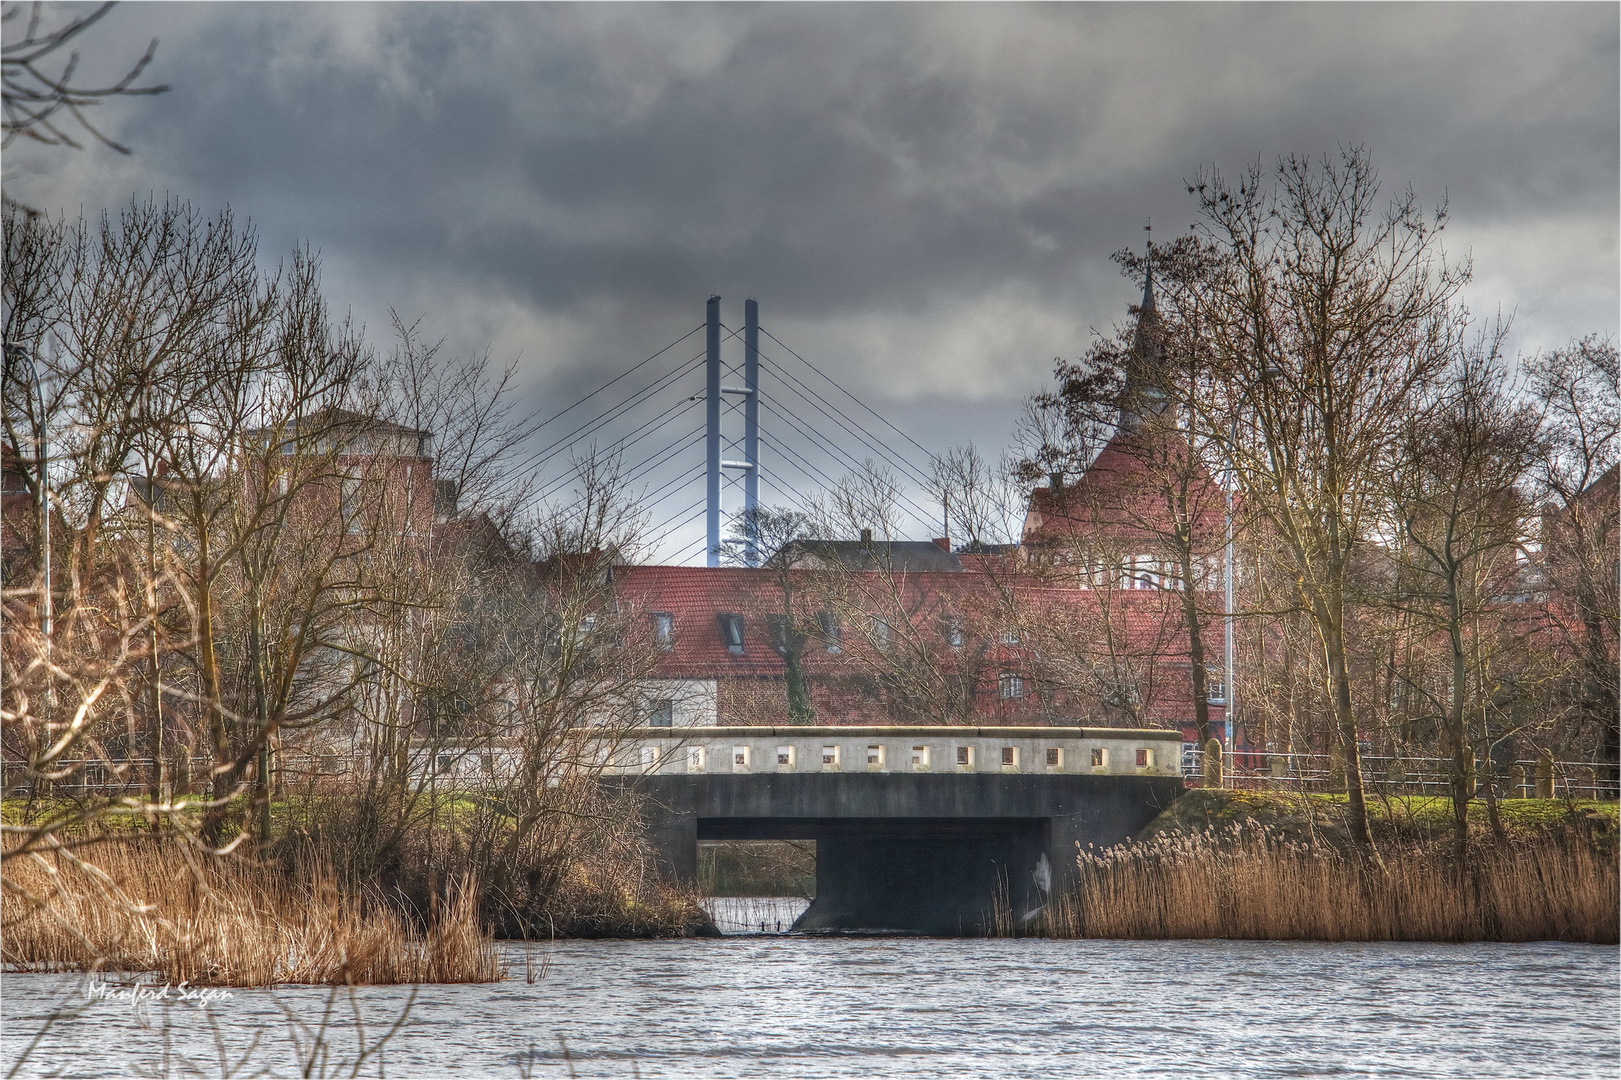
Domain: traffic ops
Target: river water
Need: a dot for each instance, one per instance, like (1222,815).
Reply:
(793,1006)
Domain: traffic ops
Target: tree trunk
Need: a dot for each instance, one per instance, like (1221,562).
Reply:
(1201,675)
(800,710)
(1339,692)
(220,790)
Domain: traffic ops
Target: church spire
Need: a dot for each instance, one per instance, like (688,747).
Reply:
(1142,395)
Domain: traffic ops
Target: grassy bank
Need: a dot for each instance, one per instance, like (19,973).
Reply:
(1221,864)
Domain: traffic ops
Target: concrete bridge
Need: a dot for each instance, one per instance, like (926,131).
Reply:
(919,829)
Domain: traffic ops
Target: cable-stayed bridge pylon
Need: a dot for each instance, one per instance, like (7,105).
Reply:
(793,430)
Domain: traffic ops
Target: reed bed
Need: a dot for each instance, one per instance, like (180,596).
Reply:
(1244,884)
(153,906)
(612,897)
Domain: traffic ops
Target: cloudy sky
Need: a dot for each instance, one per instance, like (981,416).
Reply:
(922,197)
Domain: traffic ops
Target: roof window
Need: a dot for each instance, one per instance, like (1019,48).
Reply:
(731,632)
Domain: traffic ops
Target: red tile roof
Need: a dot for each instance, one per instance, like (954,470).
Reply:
(1121,494)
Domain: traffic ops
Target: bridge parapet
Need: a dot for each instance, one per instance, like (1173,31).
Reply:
(1076,751)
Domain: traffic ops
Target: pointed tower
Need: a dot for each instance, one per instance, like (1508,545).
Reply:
(1143,395)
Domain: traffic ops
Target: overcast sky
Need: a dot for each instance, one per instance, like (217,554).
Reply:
(923,197)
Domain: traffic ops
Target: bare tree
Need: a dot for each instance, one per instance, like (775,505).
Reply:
(771,536)
(39,83)
(1325,309)
(1458,501)
(1576,389)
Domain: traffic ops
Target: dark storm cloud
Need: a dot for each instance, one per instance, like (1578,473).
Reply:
(925,196)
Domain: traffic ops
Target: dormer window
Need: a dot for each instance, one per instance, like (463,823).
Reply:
(663,631)
(731,632)
(951,629)
(777,626)
(832,632)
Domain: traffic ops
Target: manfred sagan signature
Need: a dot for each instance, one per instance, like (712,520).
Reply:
(141,993)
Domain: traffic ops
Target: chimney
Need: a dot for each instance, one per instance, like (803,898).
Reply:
(1056,482)
(943,543)
(866,537)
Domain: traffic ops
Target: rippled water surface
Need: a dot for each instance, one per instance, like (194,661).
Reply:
(846,1007)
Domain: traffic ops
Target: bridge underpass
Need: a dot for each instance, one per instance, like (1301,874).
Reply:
(930,847)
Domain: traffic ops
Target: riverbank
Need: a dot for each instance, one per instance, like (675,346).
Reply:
(1250,865)
(159,905)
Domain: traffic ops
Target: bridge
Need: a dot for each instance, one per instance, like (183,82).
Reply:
(917,829)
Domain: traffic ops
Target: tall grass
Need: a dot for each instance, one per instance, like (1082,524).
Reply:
(154,906)
(1237,883)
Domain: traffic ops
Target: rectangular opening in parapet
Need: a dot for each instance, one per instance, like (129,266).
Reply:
(875,757)
(1010,757)
(785,757)
(1100,758)
(830,758)
(1055,757)
(920,759)
(965,757)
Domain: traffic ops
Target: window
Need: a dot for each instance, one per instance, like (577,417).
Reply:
(1010,686)
(661,714)
(349,503)
(832,632)
(740,759)
(965,756)
(1055,757)
(882,635)
(695,759)
(663,630)
(920,759)
(1215,687)
(1010,757)
(650,757)
(830,758)
(487,763)
(731,632)
(785,757)
(1145,758)
(1010,636)
(951,630)
(1144,566)
(445,763)
(875,757)
(1100,759)
(777,628)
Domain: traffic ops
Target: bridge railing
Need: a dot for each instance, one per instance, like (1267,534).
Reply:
(1391,775)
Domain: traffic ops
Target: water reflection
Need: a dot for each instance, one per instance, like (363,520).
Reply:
(798,1006)
(736,915)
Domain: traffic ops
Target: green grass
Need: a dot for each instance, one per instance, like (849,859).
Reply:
(1412,816)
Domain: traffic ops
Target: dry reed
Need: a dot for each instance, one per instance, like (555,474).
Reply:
(152,906)
(1244,884)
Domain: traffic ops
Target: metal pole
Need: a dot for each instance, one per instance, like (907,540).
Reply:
(751,422)
(48,614)
(1228,689)
(712,442)
(154,667)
